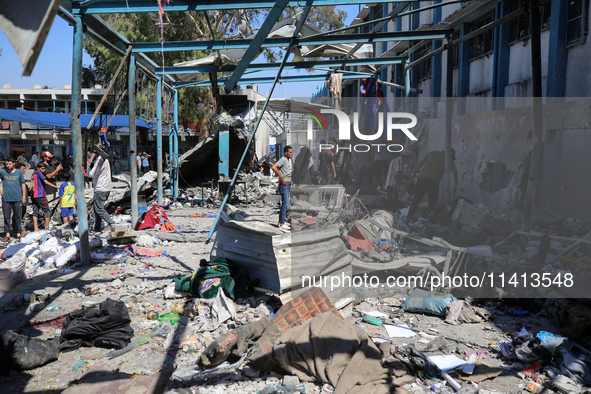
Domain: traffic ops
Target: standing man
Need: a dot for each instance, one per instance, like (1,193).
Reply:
(431,171)
(14,196)
(116,164)
(326,164)
(35,159)
(22,158)
(101,182)
(145,162)
(283,168)
(50,173)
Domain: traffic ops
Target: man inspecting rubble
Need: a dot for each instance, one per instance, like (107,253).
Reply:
(431,169)
(283,168)
(14,197)
(101,182)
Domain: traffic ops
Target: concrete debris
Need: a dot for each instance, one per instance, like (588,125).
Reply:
(282,337)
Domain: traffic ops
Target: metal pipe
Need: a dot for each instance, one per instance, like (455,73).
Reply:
(386,18)
(491,25)
(176,144)
(170,153)
(275,66)
(260,118)
(116,7)
(133,168)
(159,137)
(77,139)
(244,43)
(100,105)
(427,56)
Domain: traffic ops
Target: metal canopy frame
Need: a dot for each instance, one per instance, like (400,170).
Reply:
(244,43)
(275,66)
(126,6)
(82,15)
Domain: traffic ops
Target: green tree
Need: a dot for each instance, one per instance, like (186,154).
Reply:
(187,26)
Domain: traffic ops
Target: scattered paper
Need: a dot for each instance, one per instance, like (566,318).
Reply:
(399,331)
(376,314)
(447,362)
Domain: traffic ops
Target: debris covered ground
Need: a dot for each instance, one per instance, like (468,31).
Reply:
(312,341)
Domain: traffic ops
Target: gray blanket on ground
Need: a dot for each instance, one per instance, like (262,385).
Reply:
(327,349)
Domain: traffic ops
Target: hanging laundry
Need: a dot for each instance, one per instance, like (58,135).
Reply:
(336,88)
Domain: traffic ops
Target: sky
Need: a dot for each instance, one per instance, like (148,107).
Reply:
(54,65)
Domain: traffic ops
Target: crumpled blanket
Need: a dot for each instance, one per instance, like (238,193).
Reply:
(459,311)
(325,348)
(108,326)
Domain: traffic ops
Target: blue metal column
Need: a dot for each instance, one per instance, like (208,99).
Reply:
(170,160)
(502,53)
(132,138)
(176,144)
(77,140)
(398,70)
(464,65)
(159,136)
(557,54)
(224,154)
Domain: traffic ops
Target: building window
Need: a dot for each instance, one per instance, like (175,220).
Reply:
(378,11)
(45,106)
(577,26)
(520,27)
(424,68)
(483,43)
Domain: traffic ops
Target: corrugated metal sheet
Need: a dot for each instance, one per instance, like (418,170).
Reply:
(279,259)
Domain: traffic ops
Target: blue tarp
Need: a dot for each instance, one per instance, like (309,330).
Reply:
(63,120)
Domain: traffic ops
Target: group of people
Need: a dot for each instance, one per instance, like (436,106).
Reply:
(143,163)
(16,192)
(425,176)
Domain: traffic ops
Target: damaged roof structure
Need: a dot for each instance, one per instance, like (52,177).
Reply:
(482,292)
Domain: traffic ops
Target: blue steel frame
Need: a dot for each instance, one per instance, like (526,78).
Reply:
(275,66)
(90,7)
(127,6)
(245,43)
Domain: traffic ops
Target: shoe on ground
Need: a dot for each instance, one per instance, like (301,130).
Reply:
(284,226)
(6,239)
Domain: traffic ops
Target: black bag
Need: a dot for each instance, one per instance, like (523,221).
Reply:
(108,326)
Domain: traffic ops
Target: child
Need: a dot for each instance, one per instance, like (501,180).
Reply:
(39,198)
(67,199)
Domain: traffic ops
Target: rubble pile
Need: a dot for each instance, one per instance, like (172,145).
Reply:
(175,314)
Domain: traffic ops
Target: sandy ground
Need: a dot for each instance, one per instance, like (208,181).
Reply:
(140,282)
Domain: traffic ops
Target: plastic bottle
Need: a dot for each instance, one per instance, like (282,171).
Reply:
(373,320)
